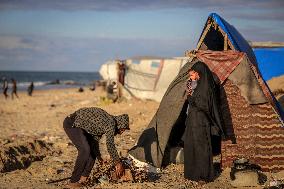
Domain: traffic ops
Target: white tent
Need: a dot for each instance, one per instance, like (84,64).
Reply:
(108,71)
(145,78)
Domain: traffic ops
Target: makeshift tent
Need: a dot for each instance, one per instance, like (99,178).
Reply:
(253,119)
(253,126)
(145,78)
(270,61)
(219,35)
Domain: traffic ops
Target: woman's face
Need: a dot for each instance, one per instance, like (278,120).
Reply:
(193,75)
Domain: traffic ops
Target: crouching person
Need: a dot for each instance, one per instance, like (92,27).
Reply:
(85,128)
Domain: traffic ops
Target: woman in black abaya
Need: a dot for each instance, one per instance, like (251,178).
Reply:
(203,121)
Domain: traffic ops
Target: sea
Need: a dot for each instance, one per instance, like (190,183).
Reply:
(49,80)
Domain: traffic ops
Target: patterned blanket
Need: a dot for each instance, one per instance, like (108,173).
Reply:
(222,64)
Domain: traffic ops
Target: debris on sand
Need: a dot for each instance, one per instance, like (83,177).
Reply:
(105,173)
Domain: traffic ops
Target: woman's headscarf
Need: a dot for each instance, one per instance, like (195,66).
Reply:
(122,121)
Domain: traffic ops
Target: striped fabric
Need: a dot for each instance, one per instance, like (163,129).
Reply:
(256,129)
(222,64)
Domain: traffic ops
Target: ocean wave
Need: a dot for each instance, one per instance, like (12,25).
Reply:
(49,80)
(26,84)
(71,82)
(46,83)
(65,82)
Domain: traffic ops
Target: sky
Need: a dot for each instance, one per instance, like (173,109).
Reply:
(81,35)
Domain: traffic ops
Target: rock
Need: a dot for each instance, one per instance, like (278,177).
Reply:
(246,178)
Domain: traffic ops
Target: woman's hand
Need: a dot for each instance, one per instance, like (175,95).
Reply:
(119,169)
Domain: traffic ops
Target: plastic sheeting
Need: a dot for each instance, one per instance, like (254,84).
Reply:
(270,62)
(108,71)
(150,78)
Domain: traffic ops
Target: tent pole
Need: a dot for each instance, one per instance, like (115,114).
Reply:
(203,36)
(226,42)
(230,45)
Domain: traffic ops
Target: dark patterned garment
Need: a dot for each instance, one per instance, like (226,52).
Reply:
(97,122)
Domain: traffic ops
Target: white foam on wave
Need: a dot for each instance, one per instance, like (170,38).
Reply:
(26,84)
(69,82)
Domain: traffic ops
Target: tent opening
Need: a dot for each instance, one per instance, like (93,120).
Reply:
(174,149)
(214,40)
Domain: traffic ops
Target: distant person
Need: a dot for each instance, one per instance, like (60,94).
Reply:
(85,128)
(5,87)
(121,75)
(93,88)
(57,81)
(14,88)
(80,90)
(121,72)
(31,89)
(112,91)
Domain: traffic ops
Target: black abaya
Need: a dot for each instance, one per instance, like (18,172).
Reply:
(202,122)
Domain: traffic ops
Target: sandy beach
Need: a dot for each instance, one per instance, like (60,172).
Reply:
(26,120)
